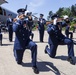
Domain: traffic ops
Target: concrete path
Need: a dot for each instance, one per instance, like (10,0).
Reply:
(46,65)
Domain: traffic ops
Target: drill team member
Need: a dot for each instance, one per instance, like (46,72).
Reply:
(41,27)
(57,38)
(67,32)
(0,35)
(10,25)
(22,41)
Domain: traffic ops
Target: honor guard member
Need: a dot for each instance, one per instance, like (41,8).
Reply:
(67,32)
(41,27)
(0,35)
(10,29)
(57,38)
(0,27)
(22,41)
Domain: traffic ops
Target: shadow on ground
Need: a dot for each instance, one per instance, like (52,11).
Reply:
(40,42)
(61,57)
(44,67)
(6,44)
(65,58)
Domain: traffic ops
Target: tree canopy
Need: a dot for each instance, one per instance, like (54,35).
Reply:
(70,11)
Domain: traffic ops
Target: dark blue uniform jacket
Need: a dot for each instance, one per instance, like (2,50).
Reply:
(41,25)
(55,34)
(22,36)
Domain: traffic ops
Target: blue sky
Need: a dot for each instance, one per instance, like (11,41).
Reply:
(38,6)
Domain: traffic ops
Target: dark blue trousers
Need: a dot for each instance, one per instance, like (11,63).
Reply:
(32,35)
(41,35)
(0,39)
(53,47)
(10,29)
(19,53)
(69,33)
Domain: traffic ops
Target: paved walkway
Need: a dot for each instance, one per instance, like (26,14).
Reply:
(46,65)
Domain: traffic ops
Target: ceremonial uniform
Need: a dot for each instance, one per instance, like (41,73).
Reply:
(0,27)
(67,32)
(41,27)
(10,29)
(23,42)
(0,36)
(57,38)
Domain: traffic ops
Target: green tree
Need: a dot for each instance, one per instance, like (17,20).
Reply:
(49,15)
(60,11)
(73,10)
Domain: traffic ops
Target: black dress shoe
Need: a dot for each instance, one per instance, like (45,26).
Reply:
(41,41)
(35,69)
(19,63)
(10,40)
(45,48)
(74,42)
(71,60)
